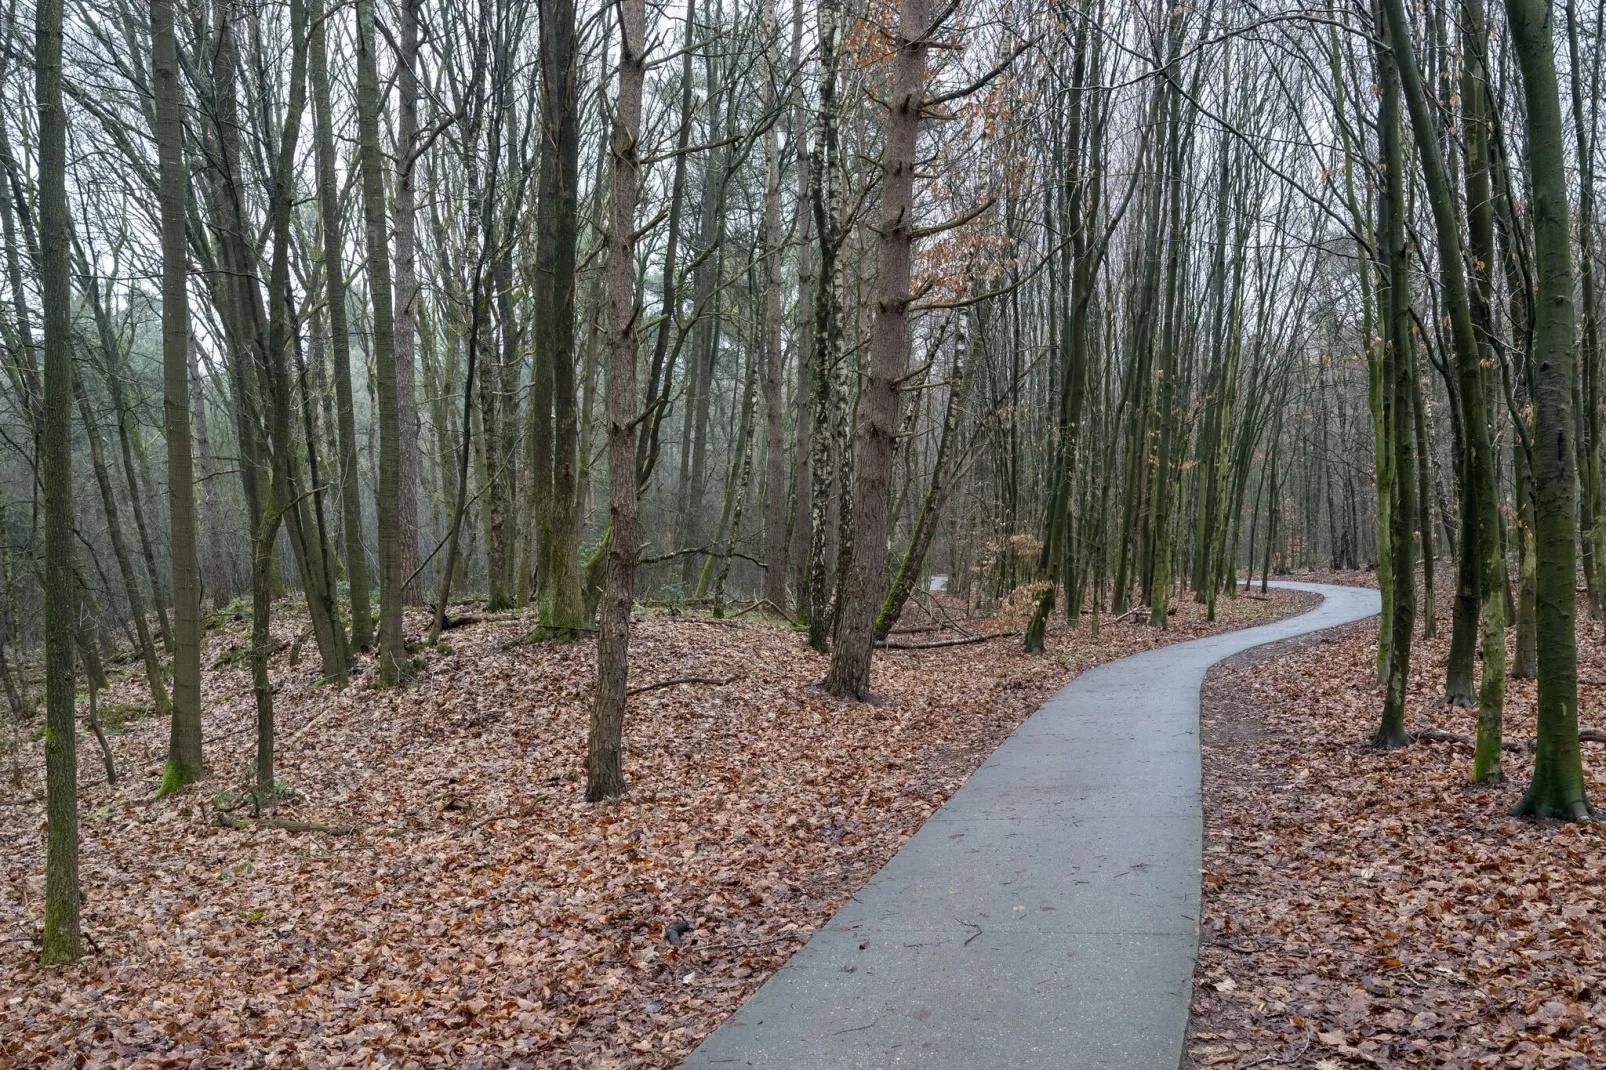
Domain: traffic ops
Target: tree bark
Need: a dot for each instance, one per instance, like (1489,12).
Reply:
(559,599)
(406,302)
(604,767)
(1557,788)
(1394,309)
(775,533)
(334,272)
(849,673)
(392,655)
(61,931)
(824,204)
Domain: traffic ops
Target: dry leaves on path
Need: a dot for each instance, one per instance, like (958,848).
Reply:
(483,914)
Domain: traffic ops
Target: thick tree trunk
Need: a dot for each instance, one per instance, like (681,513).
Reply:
(849,673)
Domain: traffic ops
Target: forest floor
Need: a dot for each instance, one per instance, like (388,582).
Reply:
(1375,909)
(459,904)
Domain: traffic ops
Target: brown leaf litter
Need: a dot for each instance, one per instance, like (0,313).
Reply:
(482,914)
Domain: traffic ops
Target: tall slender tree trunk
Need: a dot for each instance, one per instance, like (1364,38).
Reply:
(334,274)
(392,655)
(1166,374)
(604,766)
(1483,541)
(803,423)
(558,596)
(1557,788)
(61,933)
(406,307)
(115,368)
(125,560)
(775,533)
(1394,311)
(1073,343)
(825,207)
(660,377)
(943,468)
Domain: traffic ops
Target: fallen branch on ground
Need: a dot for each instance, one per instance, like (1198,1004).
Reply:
(760,604)
(948,642)
(641,689)
(1439,735)
(240,824)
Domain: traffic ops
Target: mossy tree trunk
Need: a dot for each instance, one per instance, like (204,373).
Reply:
(1394,309)
(1481,540)
(1557,788)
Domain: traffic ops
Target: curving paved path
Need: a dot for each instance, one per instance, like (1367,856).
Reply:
(1047,915)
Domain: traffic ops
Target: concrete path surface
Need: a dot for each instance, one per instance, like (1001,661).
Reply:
(1047,915)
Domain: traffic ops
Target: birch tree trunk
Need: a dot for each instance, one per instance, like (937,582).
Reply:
(824,204)
(775,541)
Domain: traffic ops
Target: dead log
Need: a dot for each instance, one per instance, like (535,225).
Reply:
(948,642)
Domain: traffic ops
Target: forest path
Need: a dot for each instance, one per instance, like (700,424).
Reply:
(1047,914)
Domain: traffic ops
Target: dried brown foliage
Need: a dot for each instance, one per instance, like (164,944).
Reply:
(1367,908)
(482,914)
